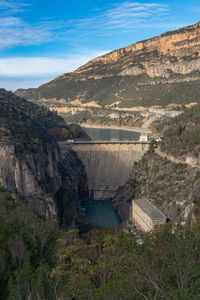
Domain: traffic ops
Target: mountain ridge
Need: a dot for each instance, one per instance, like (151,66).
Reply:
(138,46)
(158,71)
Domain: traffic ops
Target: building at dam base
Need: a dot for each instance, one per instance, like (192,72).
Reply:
(108,165)
(145,215)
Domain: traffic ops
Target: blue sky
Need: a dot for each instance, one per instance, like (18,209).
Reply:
(42,39)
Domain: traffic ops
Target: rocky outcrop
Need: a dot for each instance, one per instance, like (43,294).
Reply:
(158,71)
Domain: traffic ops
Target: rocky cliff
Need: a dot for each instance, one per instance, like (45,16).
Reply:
(158,71)
(173,188)
(170,173)
(31,165)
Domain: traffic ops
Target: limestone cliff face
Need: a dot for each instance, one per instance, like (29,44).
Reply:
(158,71)
(27,174)
(40,179)
(31,165)
(162,56)
(181,43)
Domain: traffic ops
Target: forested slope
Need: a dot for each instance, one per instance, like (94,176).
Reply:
(39,261)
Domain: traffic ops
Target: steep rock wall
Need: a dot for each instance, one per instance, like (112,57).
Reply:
(48,182)
(31,165)
(108,166)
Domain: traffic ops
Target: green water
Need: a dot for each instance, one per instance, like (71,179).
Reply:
(101,213)
(101,134)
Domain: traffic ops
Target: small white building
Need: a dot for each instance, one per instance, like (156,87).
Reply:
(144,137)
(145,215)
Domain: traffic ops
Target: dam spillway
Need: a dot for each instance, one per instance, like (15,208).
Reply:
(108,165)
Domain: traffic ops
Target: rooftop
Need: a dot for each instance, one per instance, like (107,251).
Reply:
(153,212)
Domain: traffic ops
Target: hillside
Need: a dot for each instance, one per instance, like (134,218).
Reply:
(31,165)
(181,136)
(36,117)
(40,261)
(158,71)
(171,182)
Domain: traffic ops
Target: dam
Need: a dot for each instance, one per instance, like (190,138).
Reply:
(108,164)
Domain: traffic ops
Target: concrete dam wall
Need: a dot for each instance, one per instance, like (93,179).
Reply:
(108,166)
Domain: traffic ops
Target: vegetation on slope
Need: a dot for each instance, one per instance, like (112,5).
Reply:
(104,265)
(172,186)
(134,90)
(27,246)
(22,122)
(105,117)
(39,261)
(182,134)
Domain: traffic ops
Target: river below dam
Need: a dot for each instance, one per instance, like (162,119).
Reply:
(107,134)
(101,213)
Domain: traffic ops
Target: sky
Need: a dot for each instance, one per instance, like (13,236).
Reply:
(42,39)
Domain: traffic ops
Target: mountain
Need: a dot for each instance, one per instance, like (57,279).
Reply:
(31,165)
(158,71)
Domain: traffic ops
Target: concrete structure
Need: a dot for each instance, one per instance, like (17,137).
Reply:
(70,142)
(108,164)
(144,137)
(145,215)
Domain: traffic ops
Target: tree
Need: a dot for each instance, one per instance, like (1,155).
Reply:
(64,134)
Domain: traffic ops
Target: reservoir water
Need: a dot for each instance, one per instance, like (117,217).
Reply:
(101,213)
(101,134)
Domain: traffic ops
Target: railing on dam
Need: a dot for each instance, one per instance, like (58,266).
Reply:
(103,142)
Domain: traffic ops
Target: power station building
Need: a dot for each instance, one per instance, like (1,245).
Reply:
(145,215)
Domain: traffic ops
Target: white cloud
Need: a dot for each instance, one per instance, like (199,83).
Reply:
(127,15)
(22,34)
(12,7)
(26,72)
(34,66)
(14,31)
